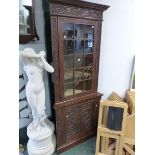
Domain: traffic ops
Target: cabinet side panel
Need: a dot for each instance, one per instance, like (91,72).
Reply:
(99,25)
(55,52)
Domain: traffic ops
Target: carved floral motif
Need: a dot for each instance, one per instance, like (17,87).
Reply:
(73,120)
(55,55)
(57,9)
(87,111)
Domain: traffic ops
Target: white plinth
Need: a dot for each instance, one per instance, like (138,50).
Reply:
(41,139)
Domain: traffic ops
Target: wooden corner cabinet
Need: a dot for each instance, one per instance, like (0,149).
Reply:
(76,34)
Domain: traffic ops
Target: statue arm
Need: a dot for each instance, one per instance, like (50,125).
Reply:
(29,55)
(46,66)
(26,55)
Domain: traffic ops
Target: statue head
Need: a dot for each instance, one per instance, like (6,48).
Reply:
(29,51)
(29,56)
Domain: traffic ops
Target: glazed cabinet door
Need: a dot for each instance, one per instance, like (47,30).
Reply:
(77,54)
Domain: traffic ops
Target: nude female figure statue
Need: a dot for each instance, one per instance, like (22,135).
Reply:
(35,92)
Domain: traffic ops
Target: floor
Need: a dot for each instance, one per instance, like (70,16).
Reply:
(85,148)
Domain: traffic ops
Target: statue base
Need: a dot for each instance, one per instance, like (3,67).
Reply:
(41,139)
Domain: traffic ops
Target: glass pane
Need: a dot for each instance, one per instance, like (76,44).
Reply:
(88,46)
(87,85)
(78,75)
(68,76)
(79,30)
(87,72)
(78,60)
(89,32)
(68,46)
(78,87)
(68,89)
(68,30)
(79,44)
(88,59)
(68,61)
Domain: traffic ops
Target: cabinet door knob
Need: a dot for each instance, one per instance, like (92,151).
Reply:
(67,116)
(96,105)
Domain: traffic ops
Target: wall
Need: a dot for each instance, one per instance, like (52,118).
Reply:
(37,46)
(117,47)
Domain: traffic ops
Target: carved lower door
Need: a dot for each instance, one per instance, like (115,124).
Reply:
(79,120)
(73,122)
(87,116)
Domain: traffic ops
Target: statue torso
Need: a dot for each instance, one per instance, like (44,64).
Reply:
(35,78)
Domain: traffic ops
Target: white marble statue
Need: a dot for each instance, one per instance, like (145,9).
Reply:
(41,130)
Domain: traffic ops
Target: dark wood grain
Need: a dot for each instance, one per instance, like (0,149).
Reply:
(70,11)
(55,53)
(81,3)
(76,122)
(76,115)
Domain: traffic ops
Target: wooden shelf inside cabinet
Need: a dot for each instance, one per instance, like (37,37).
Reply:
(75,34)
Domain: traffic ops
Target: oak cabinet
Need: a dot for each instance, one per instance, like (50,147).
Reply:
(75,34)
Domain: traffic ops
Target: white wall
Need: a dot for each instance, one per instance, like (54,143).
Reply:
(117,47)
